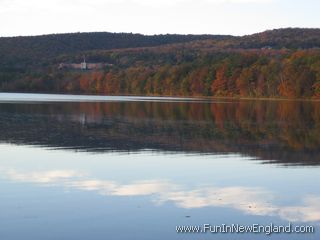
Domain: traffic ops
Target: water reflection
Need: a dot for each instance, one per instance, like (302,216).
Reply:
(253,201)
(256,201)
(285,132)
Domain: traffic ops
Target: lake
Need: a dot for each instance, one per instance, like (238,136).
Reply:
(92,167)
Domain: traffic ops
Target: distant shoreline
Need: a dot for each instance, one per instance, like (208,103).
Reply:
(154,97)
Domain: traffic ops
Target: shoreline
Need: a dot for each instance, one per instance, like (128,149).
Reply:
(169,97)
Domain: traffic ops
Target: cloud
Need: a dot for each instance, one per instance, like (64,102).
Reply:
(308,212)
(43,177)
(106,3)
(143,188)
(239,1)
(248,200)
(157,3)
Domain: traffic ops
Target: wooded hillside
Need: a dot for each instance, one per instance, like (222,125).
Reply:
(277,63)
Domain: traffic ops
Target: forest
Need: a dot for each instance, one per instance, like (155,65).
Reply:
(282,63)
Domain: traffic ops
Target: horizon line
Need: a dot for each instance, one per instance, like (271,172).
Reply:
(156,34)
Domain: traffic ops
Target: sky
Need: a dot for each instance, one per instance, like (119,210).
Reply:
(234,17)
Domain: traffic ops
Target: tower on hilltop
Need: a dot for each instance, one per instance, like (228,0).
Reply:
(84,64)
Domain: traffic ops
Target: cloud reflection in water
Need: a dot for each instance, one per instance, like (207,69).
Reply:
(248,200)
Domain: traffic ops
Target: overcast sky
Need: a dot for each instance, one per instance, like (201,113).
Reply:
(236,17)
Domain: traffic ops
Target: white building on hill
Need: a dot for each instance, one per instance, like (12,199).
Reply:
(84,65)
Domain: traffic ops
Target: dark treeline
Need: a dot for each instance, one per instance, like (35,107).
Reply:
(278,63)
(38,51)
(292,38)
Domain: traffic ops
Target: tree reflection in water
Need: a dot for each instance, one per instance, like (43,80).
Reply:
(285,132)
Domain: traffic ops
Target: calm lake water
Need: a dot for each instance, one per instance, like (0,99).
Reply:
(81,167)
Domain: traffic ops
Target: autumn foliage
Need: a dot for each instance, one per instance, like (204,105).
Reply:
(289,75)
(229,67)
